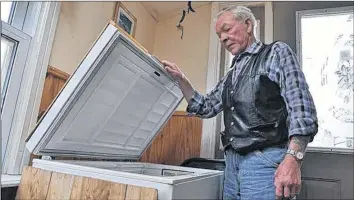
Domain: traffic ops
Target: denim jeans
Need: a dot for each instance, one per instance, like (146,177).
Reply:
(251,176)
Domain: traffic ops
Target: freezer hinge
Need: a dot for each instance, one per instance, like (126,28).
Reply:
(47,158)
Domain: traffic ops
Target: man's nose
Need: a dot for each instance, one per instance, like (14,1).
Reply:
(223,39)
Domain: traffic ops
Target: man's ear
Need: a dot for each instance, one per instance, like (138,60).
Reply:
(249,26)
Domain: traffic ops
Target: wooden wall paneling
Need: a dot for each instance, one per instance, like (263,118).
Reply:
(54,82)
(177,141)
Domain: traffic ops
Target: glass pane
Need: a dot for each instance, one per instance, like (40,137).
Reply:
(7,56)
(327,61)
(6,11)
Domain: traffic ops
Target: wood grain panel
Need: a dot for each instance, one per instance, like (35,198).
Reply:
(133,192)
(148,194)
(54,82)
(41,184)
(177,141)
(34,184)
(95,189)
(118,192)
(76,191)
(60,186)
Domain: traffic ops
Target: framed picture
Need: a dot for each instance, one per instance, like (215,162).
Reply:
(124,19)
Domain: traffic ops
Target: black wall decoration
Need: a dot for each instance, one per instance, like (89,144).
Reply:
(189,8)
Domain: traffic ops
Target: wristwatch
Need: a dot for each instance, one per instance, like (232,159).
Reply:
(297,154)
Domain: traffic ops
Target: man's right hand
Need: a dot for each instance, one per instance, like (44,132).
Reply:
(179,76)
(174,70)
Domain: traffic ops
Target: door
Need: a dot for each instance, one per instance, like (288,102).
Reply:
(326,57)
(14,49)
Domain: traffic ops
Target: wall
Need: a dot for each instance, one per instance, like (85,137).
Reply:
(80,23)
(189,53)
(284,15)
(146,24)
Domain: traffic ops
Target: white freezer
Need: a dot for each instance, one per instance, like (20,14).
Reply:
(112,107)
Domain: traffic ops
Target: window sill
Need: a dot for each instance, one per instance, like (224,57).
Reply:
(10,180)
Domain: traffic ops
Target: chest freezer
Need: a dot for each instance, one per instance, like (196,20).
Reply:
(111,108)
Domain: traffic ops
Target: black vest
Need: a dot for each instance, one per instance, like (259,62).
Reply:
(254,111)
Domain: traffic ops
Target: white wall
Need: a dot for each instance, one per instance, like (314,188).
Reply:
(189,53)
(80,23)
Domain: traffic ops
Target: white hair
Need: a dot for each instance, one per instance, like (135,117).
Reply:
(241,13)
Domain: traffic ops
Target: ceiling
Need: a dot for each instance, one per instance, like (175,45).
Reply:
(165,9)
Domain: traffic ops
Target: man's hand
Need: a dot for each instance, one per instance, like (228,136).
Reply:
(288,178)
(288,175)
(174,70)
(178,75)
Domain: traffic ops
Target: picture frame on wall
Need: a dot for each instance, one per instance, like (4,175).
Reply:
(124,19)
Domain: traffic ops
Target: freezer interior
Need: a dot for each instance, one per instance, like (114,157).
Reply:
(150,169)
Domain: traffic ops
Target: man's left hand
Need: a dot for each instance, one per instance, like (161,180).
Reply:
(288,178)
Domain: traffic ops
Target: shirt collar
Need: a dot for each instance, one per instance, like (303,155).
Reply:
(254,48)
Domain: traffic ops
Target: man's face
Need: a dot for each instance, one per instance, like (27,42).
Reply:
(234,35)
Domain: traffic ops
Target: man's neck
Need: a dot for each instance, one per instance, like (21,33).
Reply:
(251,40)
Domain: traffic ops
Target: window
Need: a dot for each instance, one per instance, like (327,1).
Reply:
(27,33)
(325,49)
(7,55)
(7,11)
(14,50)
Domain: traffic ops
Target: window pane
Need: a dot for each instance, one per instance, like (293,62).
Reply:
(327,61)
(6,11)
(7,56)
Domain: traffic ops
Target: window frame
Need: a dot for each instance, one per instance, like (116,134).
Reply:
(316,12)
(39,21)
(14,83)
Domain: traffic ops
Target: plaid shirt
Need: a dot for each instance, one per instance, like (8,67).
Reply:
(282,68)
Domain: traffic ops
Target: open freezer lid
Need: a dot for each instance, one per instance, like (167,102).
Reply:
(113,105)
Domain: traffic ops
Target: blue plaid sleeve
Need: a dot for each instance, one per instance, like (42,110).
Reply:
(285,70)
(209,105)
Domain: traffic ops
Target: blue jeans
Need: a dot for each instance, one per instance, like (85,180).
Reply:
(252,176)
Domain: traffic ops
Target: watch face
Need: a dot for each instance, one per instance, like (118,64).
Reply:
(299,155)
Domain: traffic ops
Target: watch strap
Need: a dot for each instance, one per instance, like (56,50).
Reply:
(296,154)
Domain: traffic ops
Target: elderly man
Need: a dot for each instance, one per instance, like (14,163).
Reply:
(269,114)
